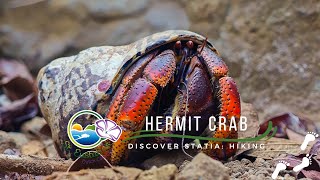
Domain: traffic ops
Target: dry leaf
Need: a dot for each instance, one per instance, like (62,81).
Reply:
(16,80)
(19,86)
(13,115)
(289,121)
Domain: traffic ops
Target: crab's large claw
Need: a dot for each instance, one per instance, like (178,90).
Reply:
(228,105)
(132,104)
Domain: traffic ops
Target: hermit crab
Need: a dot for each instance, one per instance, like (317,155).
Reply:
(171,73)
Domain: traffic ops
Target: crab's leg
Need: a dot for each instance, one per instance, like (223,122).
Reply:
(229,105)
(194,98)
(229,108)
(139,99)
(216,66)
(133,73)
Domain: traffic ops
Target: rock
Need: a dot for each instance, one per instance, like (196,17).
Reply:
(271,48)
(166,172)
(33,127)
(18,138)
(248,111)
(129,173)
(100,8)
(204,167)
(260,169)
(169,15)
(172,157)
(34,147)
(6,142)
(117,174)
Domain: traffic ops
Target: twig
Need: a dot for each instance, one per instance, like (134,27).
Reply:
(32,164)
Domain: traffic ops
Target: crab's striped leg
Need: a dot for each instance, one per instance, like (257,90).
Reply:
(228,106)
(139,99)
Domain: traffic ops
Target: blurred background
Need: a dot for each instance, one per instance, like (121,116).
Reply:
(271,47)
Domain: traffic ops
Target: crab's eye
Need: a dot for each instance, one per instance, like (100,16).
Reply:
(190,44)
(177,45)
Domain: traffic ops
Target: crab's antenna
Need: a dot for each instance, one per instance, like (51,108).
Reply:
(185,115)
(203,45)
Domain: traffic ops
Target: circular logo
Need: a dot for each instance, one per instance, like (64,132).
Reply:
(84,137)
(92,135)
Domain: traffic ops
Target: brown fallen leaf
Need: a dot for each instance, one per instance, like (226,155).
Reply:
(13,115)
(16,80)
(292,122)
(316,149)
(19,87)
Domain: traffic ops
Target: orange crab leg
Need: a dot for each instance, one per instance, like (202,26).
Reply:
(133,73)
(135,108)
(229,107)
(139,99)
(216,66)
(194,98)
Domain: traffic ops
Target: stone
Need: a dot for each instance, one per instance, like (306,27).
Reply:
(34,147)
(19,138)
(117,173)
(271,47)
(6,142)
(204,167)
(172,157)
(167,172)
(100,8)
(33,127)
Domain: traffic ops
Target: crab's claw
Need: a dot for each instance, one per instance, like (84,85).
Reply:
(228,105)
(136,95)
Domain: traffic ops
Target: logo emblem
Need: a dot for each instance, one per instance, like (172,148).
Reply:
(92,135)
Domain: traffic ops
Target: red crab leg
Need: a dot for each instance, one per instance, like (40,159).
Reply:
(139,99)
(133,73)
(135,107)
(229,102)
(229,107)
(196,93)
(216,66)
